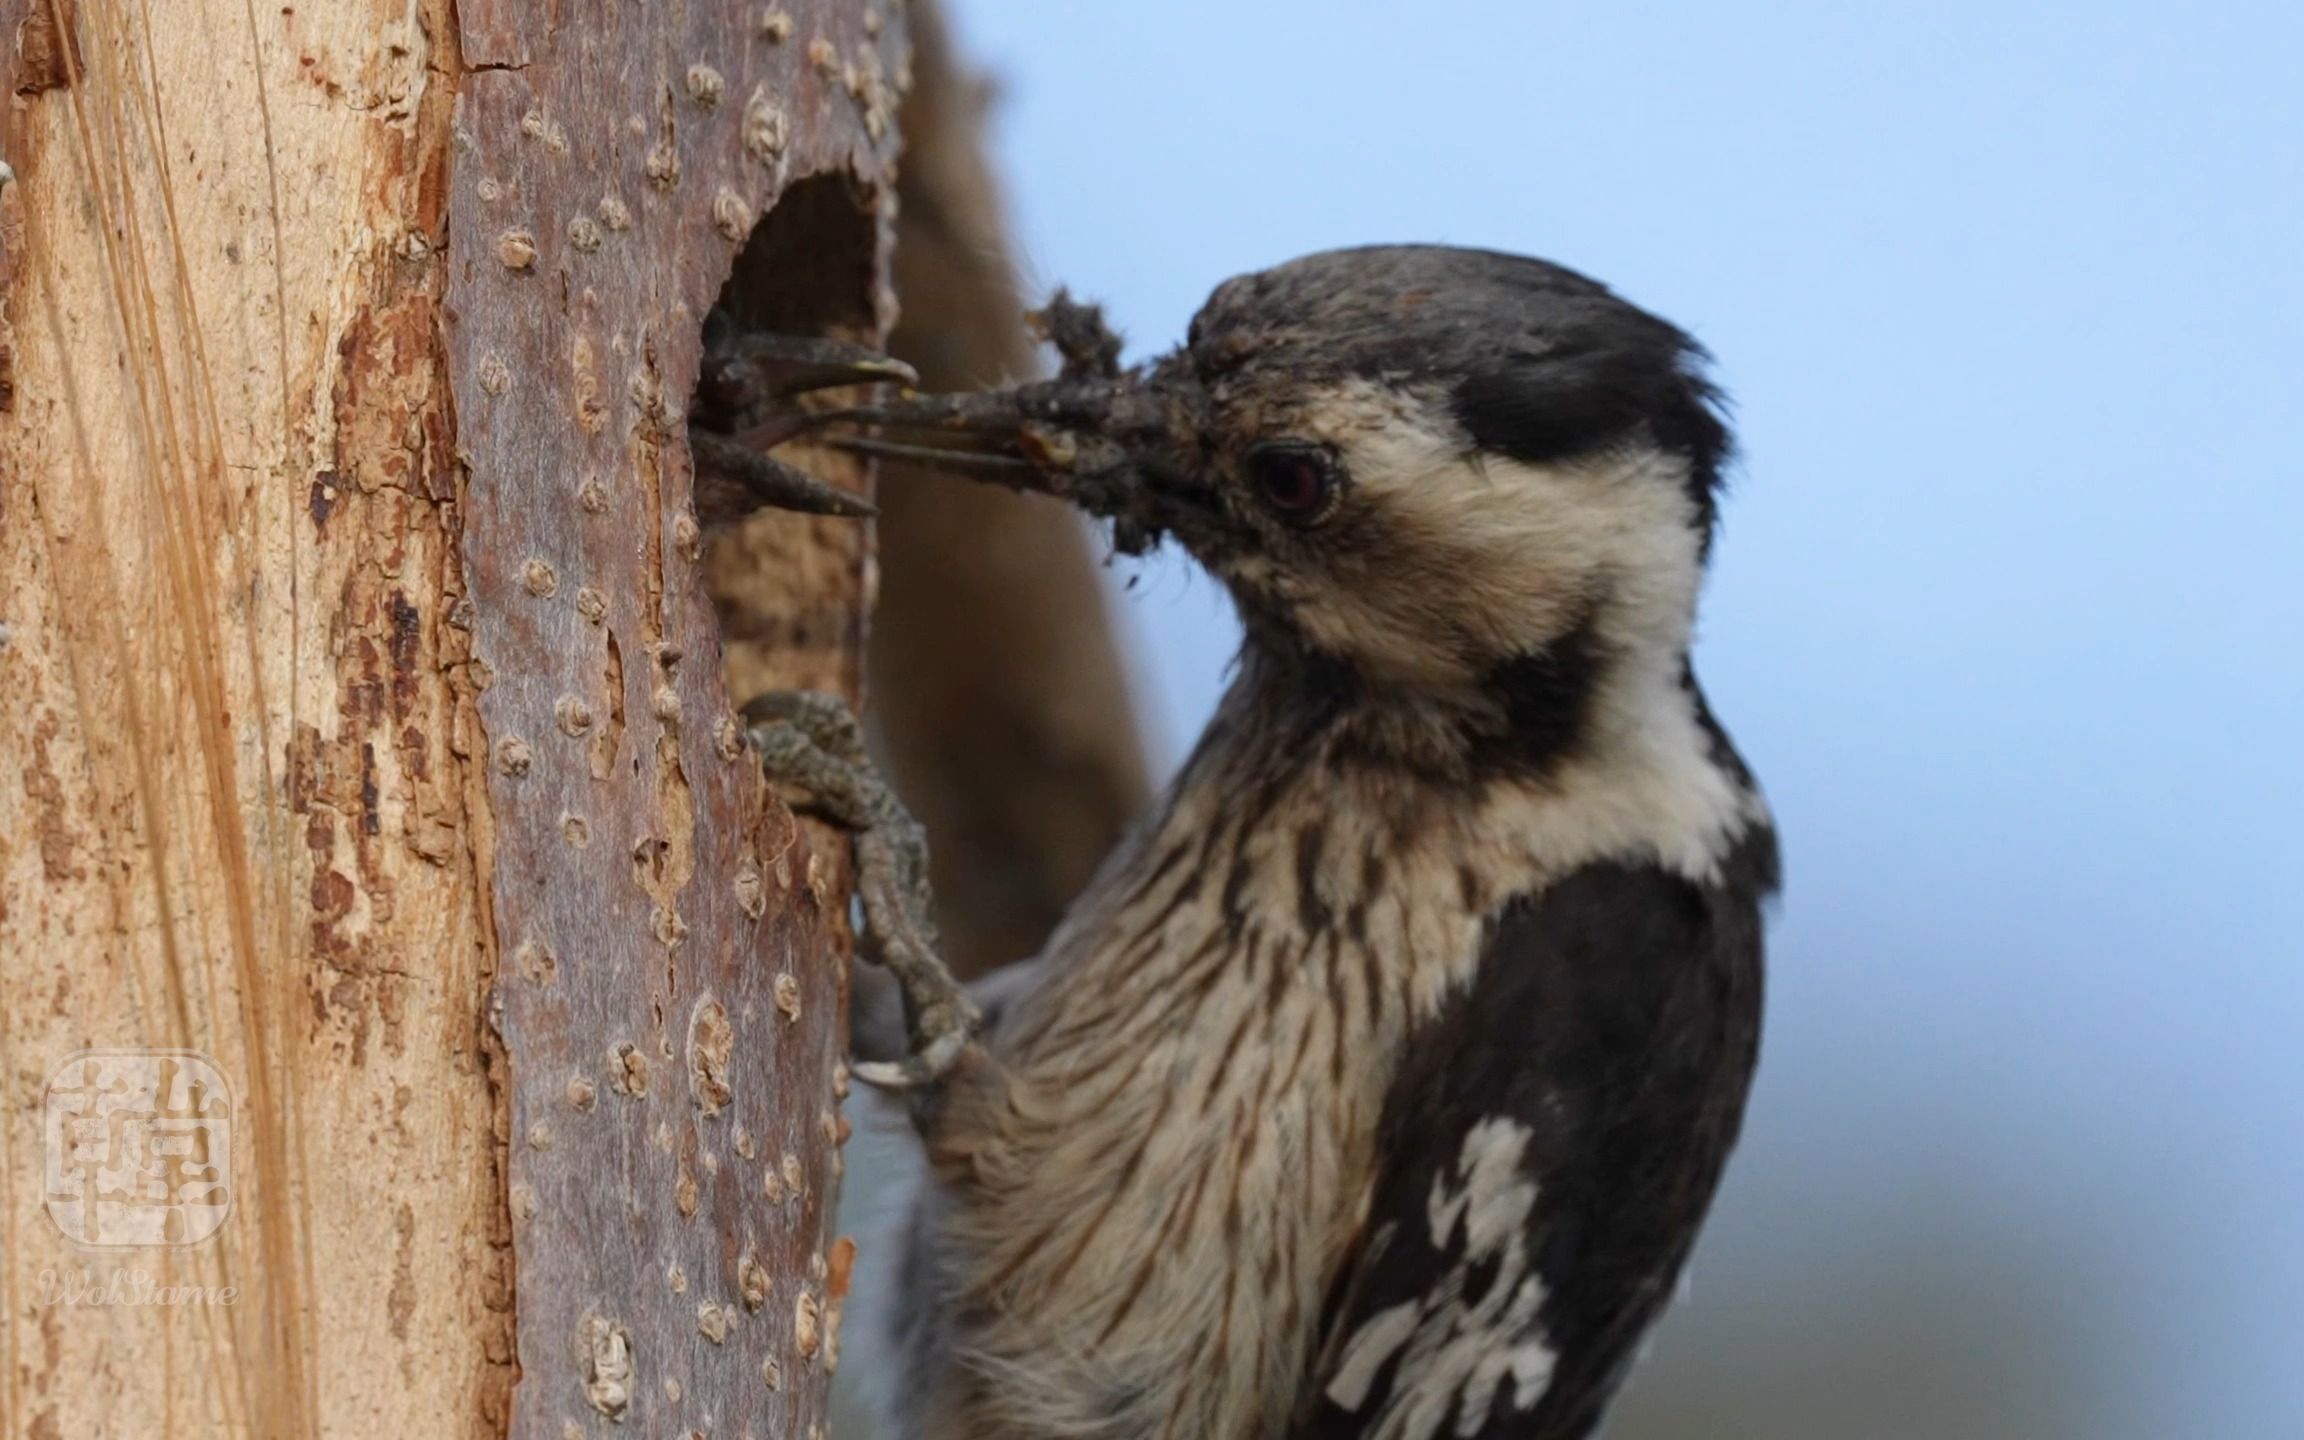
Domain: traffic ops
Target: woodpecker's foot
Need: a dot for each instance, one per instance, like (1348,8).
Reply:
(812,744)
(747,403)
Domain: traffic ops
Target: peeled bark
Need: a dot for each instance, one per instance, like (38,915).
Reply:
(364,731)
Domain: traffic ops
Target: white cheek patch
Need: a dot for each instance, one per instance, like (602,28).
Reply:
(1538,549)
(1371,605)
(1483,559)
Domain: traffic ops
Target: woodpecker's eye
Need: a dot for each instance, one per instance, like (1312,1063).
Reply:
(1300,483)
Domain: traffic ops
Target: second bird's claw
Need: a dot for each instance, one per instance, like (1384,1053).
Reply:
(778,364)
(744,367)
(733,480)
(745,407)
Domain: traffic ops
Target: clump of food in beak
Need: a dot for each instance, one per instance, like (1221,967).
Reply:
(1120,444)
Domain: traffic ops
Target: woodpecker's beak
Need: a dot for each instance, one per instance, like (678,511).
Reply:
(1116,443)
(1085,441)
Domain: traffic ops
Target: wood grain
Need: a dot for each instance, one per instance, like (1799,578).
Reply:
(365,728)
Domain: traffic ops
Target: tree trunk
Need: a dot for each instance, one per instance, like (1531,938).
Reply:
(363,740)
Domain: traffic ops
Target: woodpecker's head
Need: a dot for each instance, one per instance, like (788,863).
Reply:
(1426,465)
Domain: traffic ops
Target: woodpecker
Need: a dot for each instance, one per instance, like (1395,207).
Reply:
(1379,1084)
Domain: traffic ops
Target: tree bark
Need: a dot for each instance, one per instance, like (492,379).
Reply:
(363,733)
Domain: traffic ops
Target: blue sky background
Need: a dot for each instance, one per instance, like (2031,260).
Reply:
(2006,613)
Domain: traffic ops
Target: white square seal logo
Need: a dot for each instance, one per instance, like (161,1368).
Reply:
(139,1147)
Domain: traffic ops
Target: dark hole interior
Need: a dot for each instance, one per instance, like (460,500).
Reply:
(807,268)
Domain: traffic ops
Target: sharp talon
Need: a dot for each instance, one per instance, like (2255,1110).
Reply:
(880,370)
(917,1071)
(794,364)
(891,1075)
(732,481)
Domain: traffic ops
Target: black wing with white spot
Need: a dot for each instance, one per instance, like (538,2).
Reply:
(1546,1157)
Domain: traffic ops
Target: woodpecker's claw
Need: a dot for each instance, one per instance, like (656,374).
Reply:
(923,1068)
(745,405)
(813,744)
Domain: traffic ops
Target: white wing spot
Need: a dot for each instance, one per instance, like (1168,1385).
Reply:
(1370,1346)
(1455,1354)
